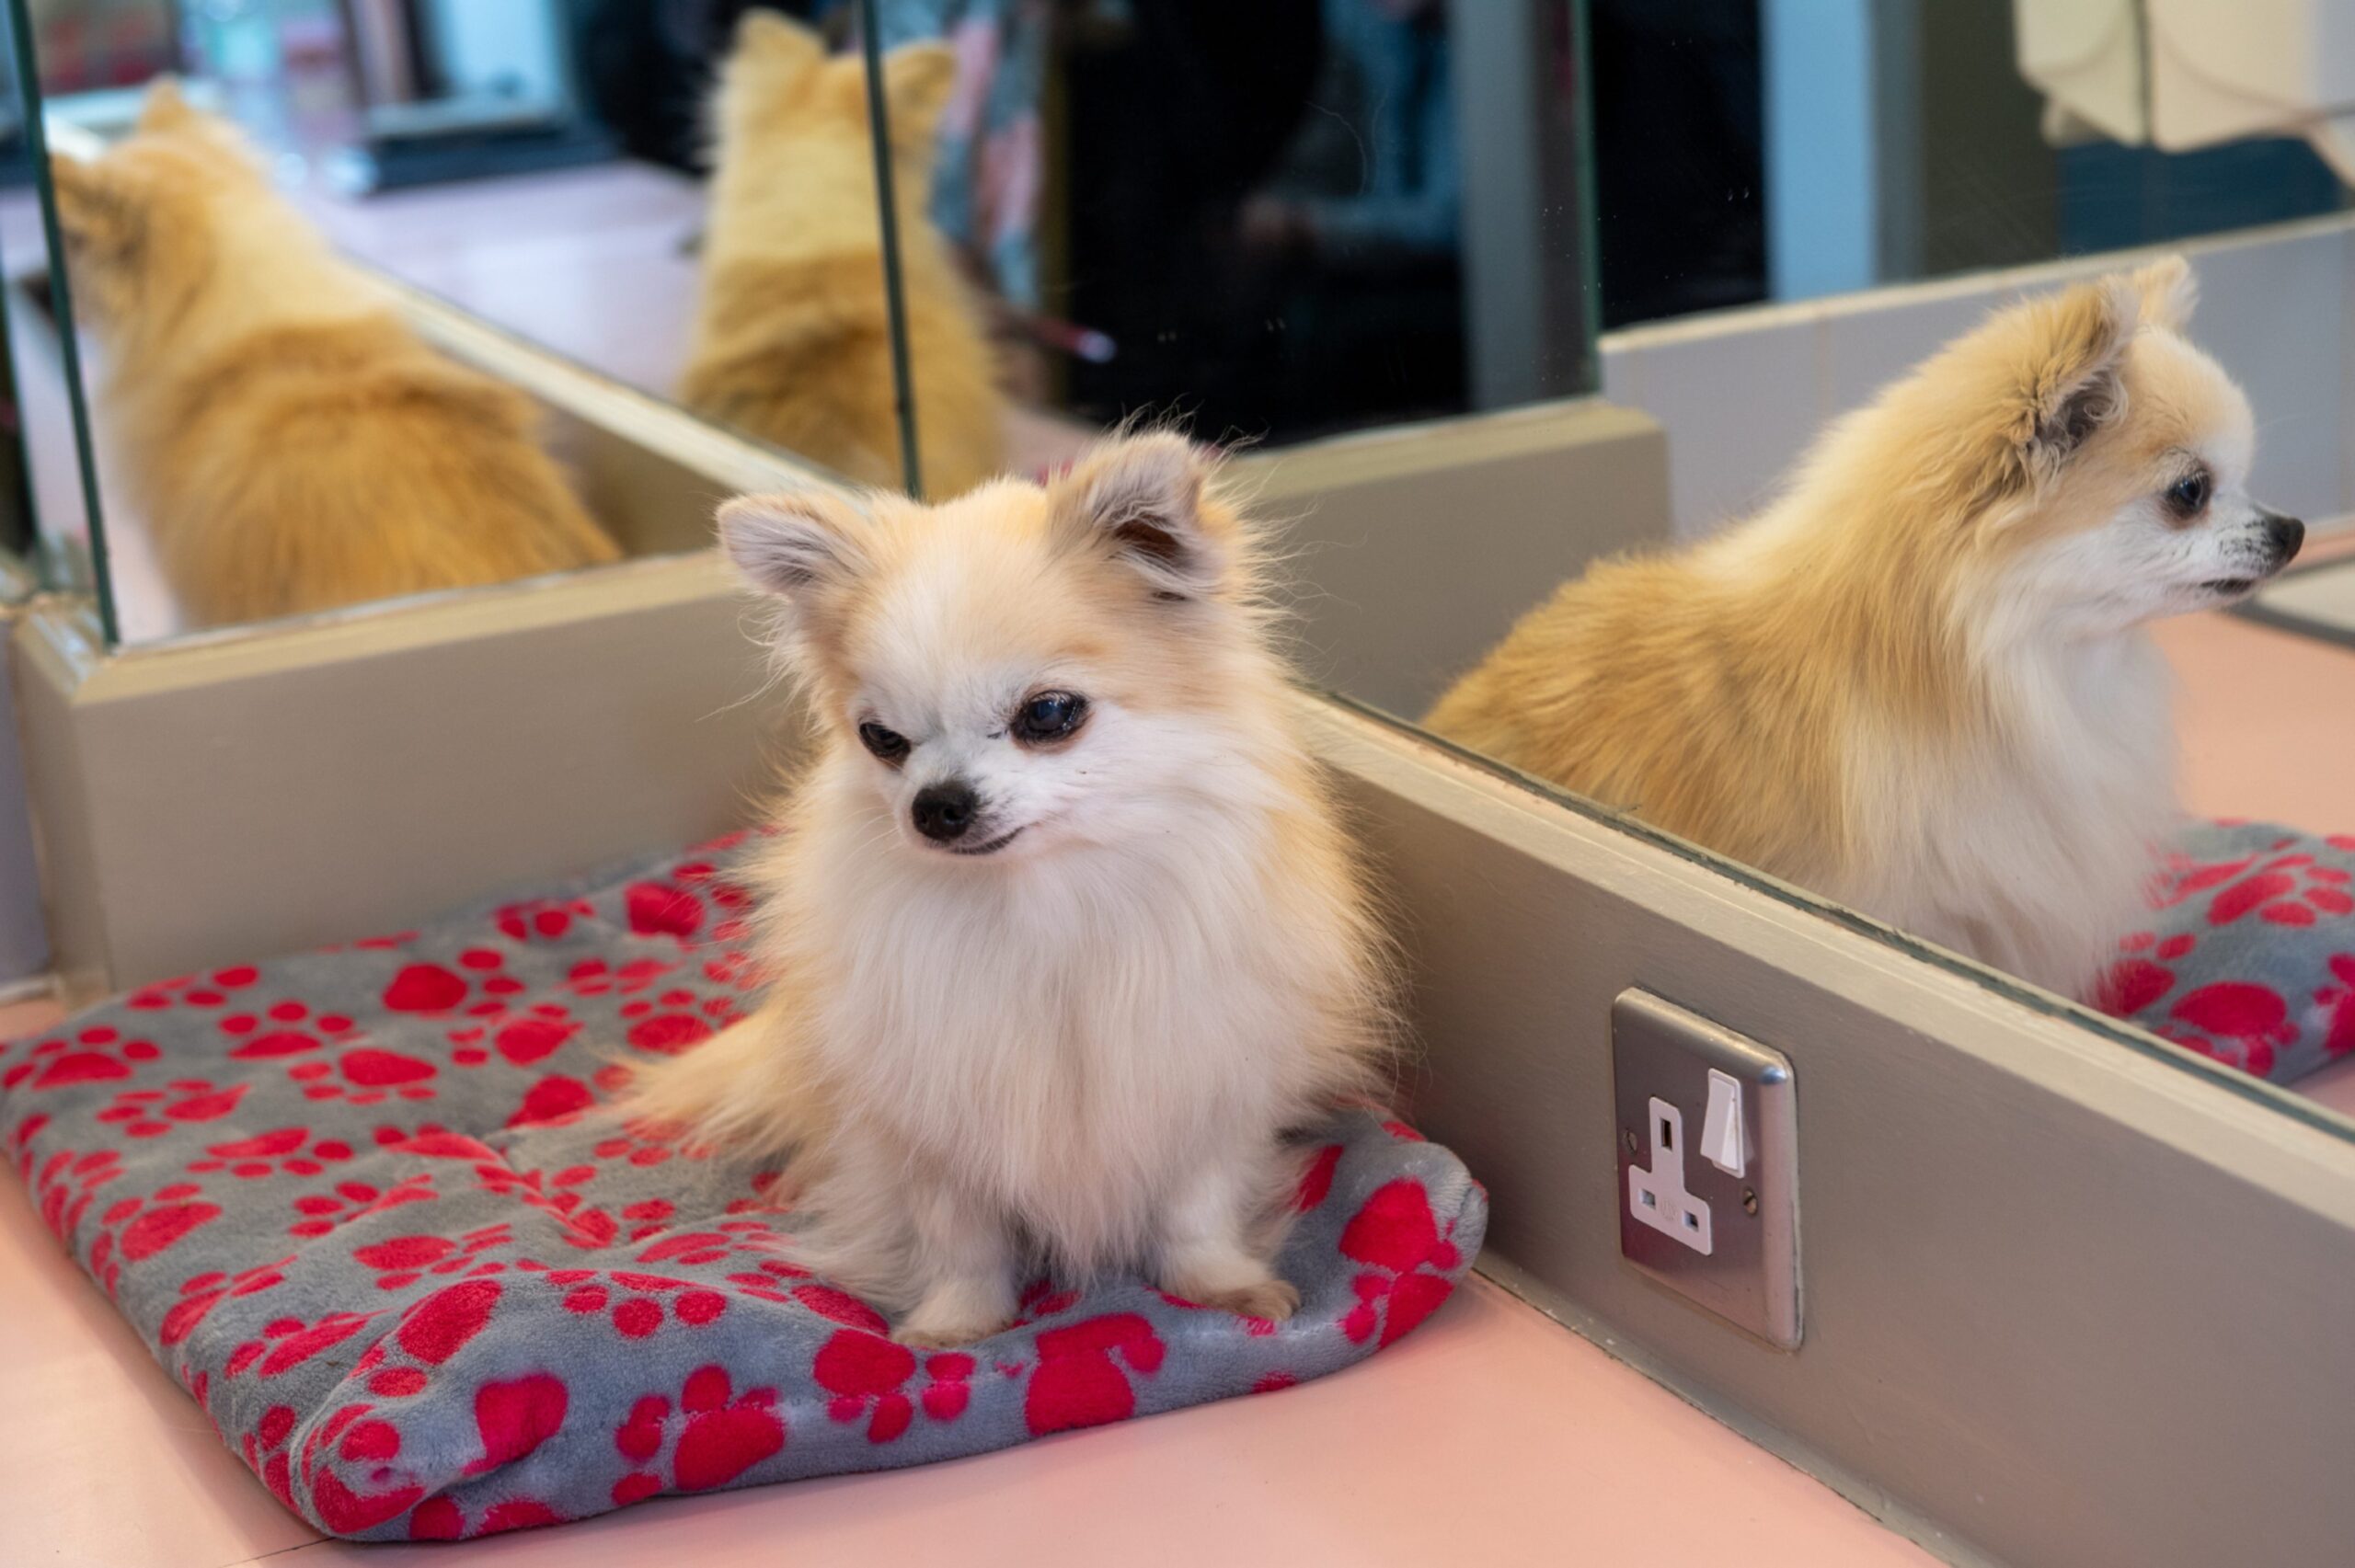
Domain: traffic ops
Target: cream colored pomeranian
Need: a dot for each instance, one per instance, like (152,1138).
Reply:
(792,336)
(290,443)
(1064,930)
(1918,682)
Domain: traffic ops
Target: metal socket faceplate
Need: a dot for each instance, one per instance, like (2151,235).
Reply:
(1739,1255)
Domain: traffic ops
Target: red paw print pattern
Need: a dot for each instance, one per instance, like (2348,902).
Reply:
(439,989)
(152,1113)
(1083,1377)
(95,1055)
(533,1035)
(67,1182)
(284,1029)
(2287,888)
(1317,1180)
(634,1301)
(265,1452)
(218,990)
(322,1212)
(399,1261)
(2338,996)
(716,1436)
(544,919)
(867,1376)
(675,1021)
(2230,972)
(288,1343)
(595,976)
(200,1293)
(351,1440)
(658,909)
(137,1229)
(286,1150)
(1397,1234)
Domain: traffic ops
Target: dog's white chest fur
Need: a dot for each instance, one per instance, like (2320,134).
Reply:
(1066,1042)
(2033,855)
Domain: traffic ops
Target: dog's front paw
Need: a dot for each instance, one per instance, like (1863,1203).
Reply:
(1273,1300)
(943,1336)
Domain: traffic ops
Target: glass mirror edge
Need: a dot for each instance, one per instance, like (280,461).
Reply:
(887,212)
(60,295)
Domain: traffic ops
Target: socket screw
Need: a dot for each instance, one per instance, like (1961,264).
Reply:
(1628,1136)
(1750,1200)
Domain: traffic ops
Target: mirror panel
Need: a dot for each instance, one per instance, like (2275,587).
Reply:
(1999,668)
(269,204)
(1272,222)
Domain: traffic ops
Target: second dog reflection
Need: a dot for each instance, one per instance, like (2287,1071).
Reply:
(291,444)
(1919,683)
(792,336)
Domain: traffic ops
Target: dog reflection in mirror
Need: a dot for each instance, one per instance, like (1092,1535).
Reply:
(290,443)
(1064,932)
(1919,682)
(792,333)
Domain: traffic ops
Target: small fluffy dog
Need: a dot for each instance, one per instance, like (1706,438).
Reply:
(1918,682)
(291,445)
(1064,932)
(792,337)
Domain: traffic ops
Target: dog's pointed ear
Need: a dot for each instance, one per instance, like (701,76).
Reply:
(165,109)
(918,80)
(2066,376)
(801,546)
(2167,292)
(1146,501)
(98,206)
(776,39)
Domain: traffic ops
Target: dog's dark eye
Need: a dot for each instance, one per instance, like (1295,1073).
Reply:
(888,744)
(1050,716)
(2187,497)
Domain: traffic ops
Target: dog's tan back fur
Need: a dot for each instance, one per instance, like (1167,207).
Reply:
(792,336)
(291,445)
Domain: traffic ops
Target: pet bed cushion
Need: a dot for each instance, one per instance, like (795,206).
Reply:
(2249,953)
(357,1203)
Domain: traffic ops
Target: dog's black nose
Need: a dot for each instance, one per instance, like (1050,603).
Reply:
(943,811)
(2286,534)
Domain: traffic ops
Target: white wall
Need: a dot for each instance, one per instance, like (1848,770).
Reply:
(1741,392)
(499,43)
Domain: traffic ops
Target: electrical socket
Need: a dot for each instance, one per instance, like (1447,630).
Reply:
(1656,1192)
(1714,1219)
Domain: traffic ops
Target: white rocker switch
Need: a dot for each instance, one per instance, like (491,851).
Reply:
(1722,1130)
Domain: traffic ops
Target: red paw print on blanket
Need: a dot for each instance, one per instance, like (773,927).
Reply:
(152,1113)
(1082,1376)
(95,1055)
(285,1029)
(195,990)
(1396,1233)
(202,1292)
(867,1376)
(546,920)
(2242,1022)
(66,1181)
(538,1033)
(138,1229)
(719,1434)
